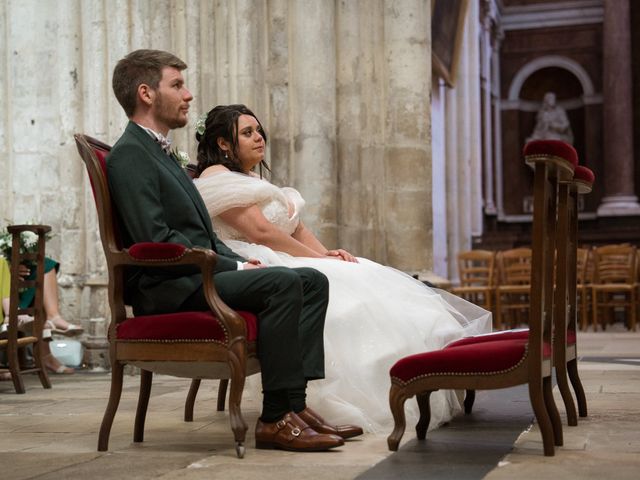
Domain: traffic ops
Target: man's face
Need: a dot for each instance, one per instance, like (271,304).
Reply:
(171,103)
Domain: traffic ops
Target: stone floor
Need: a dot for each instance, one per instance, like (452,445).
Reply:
(52,434)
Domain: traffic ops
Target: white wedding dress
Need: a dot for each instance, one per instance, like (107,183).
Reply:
(376,314)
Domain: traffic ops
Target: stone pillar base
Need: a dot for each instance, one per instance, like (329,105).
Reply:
(619,206)
(96,345)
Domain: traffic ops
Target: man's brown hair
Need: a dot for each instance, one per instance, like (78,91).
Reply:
(140,66)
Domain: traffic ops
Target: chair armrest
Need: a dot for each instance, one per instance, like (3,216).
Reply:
(158,254)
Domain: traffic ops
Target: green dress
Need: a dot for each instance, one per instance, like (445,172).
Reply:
(27,295)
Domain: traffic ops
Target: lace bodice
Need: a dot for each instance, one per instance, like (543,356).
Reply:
(225,190)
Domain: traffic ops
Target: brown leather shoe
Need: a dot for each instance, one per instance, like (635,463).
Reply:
(292,433)
(316,422)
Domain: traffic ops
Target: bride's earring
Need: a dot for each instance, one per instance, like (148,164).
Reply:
(226,156)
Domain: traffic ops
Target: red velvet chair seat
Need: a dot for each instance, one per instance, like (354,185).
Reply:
(181,327)
(489,357)
(552,148)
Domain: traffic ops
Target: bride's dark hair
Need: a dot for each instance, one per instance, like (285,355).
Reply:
(222,121)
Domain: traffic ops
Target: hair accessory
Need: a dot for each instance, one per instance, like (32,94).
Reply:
(200,124)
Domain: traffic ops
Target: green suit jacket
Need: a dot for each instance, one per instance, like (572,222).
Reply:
(157,202)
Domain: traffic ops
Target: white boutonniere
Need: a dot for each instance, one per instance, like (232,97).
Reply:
(181,157)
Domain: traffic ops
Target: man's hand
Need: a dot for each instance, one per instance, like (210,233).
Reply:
(341,254)
(252,263)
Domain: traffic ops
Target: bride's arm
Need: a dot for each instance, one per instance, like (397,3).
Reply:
(306,237)
(251,223)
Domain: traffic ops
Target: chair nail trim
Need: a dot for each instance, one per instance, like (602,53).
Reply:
(399,382)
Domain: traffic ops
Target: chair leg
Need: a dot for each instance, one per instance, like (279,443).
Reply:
(238,425)
(469,398)
(425,415)
(632,311)
(594,310)
(38,360)
(14,368)
(222,393)
(146,378)
(554,415)
(117,372)
(396,403)
(542,417)
(191,400)
(572,369)
(563,386)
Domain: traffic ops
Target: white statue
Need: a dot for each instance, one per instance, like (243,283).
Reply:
(552,122)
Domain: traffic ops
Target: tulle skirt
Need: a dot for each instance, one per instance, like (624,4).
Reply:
(376,316)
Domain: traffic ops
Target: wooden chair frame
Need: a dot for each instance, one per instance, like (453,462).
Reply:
(534,369)
(14,343)
(234,359)
(565,354)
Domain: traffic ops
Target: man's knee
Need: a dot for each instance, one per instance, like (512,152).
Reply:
(285,278)
(314,278)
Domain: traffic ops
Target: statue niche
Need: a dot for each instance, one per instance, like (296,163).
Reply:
(552,122)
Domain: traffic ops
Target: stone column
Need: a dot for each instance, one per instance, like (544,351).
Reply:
(313,88)
(407,156)
(619,194)
(472,33)
(486,52)
(6,131)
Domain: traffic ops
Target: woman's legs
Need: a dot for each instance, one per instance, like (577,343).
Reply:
(52,305)
(51,362)
(50,300)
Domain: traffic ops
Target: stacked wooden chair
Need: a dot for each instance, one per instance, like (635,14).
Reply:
(615,283)
(508,358)
(476,269)
(584,269)
(220,343)
(514,287)
(12,340)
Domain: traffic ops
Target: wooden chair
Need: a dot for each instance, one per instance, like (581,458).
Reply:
(584,278)
(476,269)
(220,343)
(513,287)
(565,355)
(501,359)
(615,283)
(12,340)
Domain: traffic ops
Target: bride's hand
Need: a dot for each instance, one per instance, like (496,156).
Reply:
(341,254)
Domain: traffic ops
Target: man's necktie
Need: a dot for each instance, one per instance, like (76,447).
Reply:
(165,143)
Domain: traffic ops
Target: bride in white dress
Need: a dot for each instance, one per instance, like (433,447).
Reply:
(376,314)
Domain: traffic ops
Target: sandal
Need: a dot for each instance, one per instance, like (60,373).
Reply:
(60,369)
(71,330)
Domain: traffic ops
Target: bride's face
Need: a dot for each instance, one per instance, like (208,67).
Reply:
(250,142)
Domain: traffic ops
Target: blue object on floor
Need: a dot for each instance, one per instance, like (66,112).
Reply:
(68,352)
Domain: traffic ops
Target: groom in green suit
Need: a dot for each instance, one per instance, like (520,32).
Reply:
(157,202)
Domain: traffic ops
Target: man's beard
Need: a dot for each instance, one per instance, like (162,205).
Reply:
(167,116)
